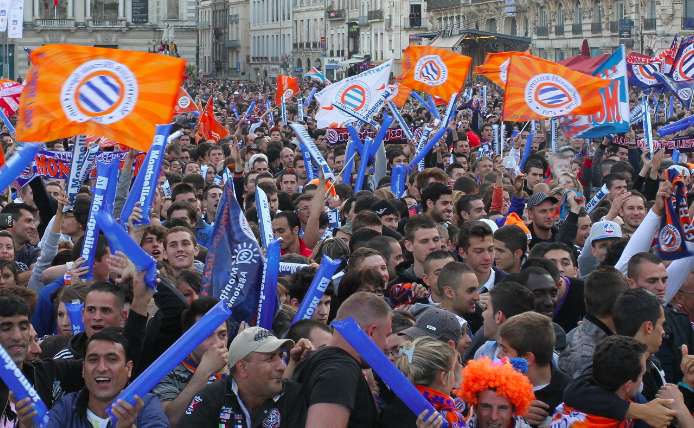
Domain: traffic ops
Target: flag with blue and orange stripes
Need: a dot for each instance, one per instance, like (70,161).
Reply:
(80,90)
(438,72)
(537,89)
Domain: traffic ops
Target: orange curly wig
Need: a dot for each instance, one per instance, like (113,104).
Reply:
(481,375)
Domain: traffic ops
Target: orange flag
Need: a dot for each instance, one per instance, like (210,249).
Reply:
(72,90)
(287,86)
(184,103)
(495,66)
(439,72)
(401,96)
(538,89)
(209,127)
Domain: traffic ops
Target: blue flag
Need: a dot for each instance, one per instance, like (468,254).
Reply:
(234,263)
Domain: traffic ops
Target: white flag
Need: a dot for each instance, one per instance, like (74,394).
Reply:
(15,17)
(4,6)
(361,95)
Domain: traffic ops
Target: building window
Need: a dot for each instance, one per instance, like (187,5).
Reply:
(104,9)
(619,10)
(560,15)
(491,25)
(47,10)
(542,29)
(578,17)
(597,11)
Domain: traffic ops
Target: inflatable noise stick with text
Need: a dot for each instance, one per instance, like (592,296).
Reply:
(20,387)
(321,281)
(121,241)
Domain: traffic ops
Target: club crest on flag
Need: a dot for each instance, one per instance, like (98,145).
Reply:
(551,95)
(430,70)
(183,102)
(644,73)
(246,253)
(669,239)
(685,66)
(104,91)
(355,96)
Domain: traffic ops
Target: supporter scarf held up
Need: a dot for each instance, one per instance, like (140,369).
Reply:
(444,405)
(675,225)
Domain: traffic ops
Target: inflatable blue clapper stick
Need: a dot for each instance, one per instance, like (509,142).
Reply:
(267,304)
(374,358)
(21,388)
(16,164)
(321,281)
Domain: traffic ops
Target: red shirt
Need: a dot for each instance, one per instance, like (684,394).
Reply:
(303,249)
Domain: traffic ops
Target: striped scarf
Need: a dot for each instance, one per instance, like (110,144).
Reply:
(445,405)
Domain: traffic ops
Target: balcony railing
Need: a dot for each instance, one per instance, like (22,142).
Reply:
(614,27)
(596,27)
(649,24)
(107,23)
(376,15)
(576,29)
(687,23)
(559,30)
(542,31)
(336,14)
(54,23)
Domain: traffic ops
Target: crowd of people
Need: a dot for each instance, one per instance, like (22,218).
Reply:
(488,284)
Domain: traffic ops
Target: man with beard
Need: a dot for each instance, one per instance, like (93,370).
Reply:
(437,201)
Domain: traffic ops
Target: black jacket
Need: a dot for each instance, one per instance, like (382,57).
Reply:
(678,332)
(134,332)
(217,405)
(586,396)
(165,327)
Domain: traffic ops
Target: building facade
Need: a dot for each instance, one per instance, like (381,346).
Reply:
(238,43)
(139,25)
(213,33)
(377,30)
(557,28)
(308,44)
(271,38)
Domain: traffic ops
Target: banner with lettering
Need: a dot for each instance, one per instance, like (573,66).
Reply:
(341,135)
(684,145)
(56,165)
(613,118)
